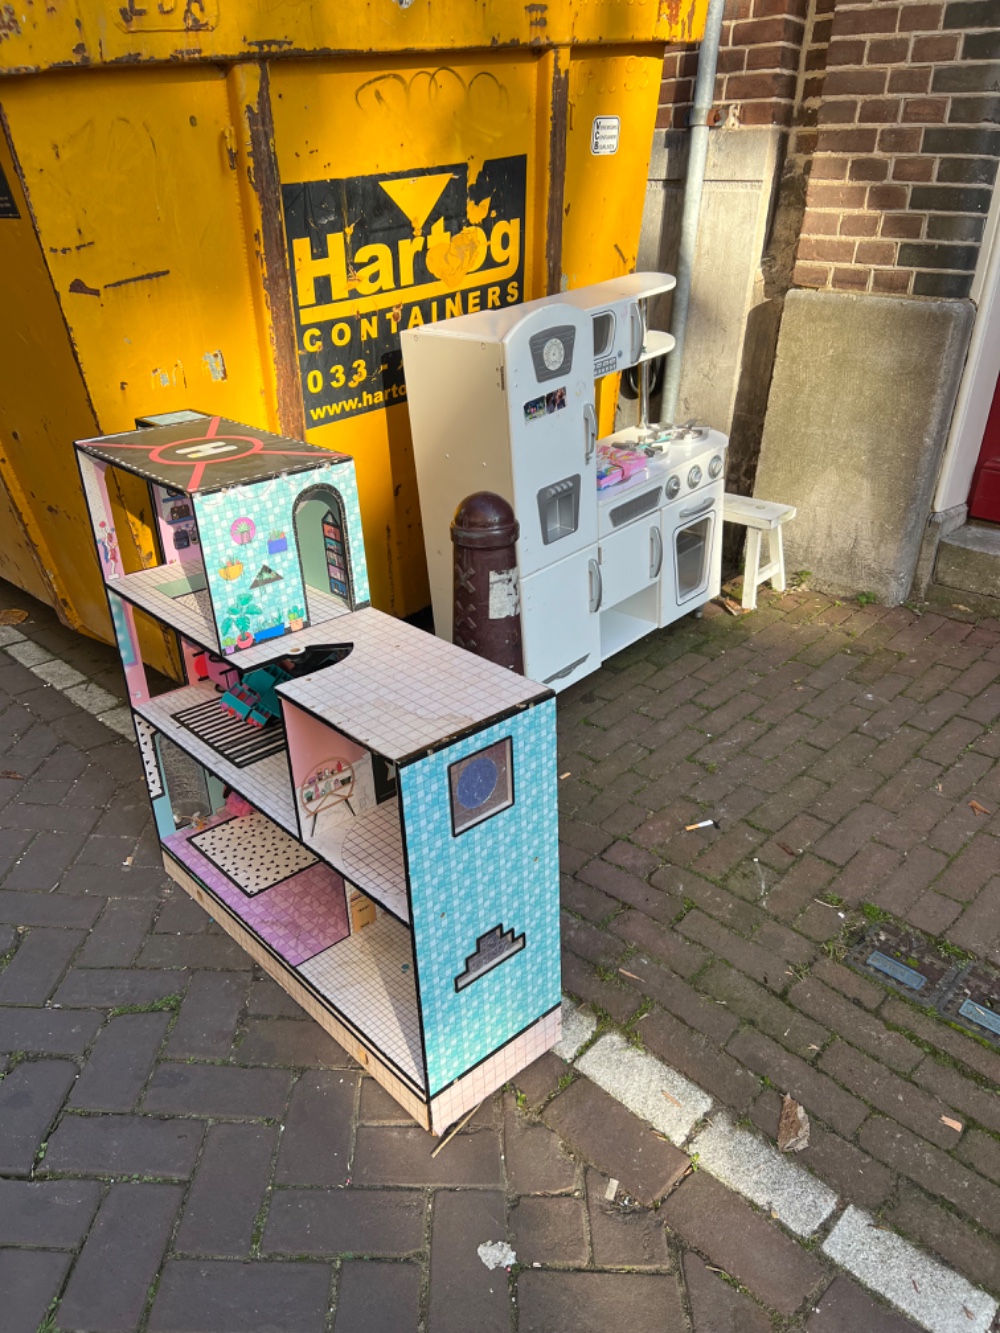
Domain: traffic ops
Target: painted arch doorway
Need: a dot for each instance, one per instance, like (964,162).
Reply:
(321,537)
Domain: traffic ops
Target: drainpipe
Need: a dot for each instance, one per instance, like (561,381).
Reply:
(704,97)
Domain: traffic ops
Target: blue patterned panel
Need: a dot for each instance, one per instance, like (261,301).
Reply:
(252,562)
(484,903)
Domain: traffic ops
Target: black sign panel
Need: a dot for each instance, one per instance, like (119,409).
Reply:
(8,208)
(372,255)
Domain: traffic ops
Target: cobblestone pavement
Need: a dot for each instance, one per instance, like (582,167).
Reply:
(181,1150)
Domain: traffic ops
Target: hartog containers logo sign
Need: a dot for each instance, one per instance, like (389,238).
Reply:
(372,255)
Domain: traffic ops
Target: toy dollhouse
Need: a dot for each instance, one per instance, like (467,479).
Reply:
(373,815)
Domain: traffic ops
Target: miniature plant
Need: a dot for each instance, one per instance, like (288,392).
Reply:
(238,616)
(296,613)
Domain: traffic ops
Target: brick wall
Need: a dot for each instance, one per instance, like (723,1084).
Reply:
(895,116)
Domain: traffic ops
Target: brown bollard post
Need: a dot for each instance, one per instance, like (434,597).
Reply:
(487,609)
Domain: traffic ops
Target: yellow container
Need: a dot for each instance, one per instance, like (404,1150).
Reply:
(201,205)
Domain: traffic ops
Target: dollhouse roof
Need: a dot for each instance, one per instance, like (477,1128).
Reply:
(401,691)
(206,454)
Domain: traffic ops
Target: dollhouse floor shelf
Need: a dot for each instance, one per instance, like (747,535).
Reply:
(191,614)
(369,852)
(266,784)
(369,978)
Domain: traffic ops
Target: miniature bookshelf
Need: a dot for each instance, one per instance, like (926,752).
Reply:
(379,817)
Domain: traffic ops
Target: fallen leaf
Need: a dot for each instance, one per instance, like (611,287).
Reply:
(629,974)
(952,1124)
(958,607)
(11,773)
(785,848)
(979,809)
(12,617)
(793,1127)
(671,1098)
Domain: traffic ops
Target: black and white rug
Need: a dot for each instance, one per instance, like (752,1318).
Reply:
(231,737)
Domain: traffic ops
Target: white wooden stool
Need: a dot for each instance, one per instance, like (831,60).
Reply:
(758,517)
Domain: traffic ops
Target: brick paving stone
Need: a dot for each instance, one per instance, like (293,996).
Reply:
(198,1294)
(933,914)
(217,1090)
(335,1221)
(772,1016)
(848,982)
(533,1155)
(181,915)
(933,1169)
(971,869)
(678,998)
(657,901)
(851,834)
(218,952)
(786,943)
(118,936)
(958,1244)
(860,1028)
(110,988)
(716,1307)
(852,1173)
(798,886)
(932,1030)
(377,1107)
(982,1152)
(209,1013)
(110,1283)
(900,890)
(227,1190)
(817,1093)
(286,1041)
(42,909)
(679,954)
(623,1235)
(316,1140)
(549,1231)
(919,819)
(689,1053)
(978,928)
(399,1155)
(943,1081)
(581,980)
(52,1213)
(585,940)
(34,972)
(541,1079)
(739,915)
(845,1308)
(47,861)
(120,1063)
(615,1141)
(892,1095)
(585,901)
(742,1243)
(759,963)
(377,1298)
(30,1096)
(464,1293)
(30,1280)
(551,1302)
(122,1145)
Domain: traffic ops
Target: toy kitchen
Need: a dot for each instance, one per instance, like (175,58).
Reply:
(618,536)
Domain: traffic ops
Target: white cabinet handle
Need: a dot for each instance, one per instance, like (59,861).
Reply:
(698,509)
(589,431)
(655,552)
(596,582)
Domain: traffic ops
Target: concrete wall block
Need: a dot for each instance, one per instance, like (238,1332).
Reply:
(861,400)
(740,179)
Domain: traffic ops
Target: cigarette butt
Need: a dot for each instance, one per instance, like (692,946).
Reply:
(705,823)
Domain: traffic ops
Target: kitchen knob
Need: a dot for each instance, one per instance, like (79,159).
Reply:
(715,467)
(672,488)
(694,477)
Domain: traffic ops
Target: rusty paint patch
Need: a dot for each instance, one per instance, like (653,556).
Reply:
(80,288)
(557,176)
(142,277)
(216,364)
(266,185)
(9,26)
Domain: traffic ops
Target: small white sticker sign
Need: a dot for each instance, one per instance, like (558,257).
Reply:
(604,139)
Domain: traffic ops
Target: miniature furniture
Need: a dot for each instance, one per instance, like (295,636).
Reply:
(759,517)
(377,820)
(614,542)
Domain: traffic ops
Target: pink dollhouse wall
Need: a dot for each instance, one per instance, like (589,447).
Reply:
(310,742)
